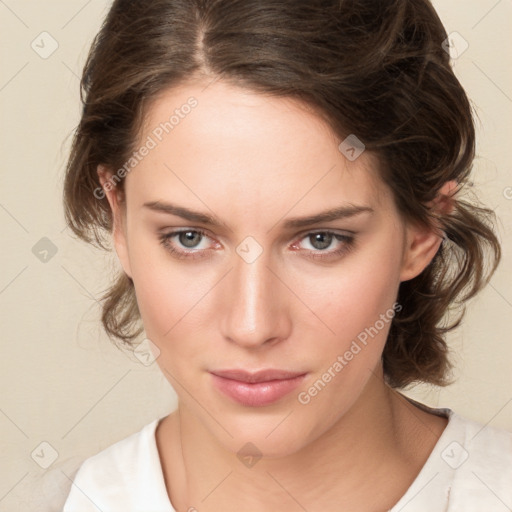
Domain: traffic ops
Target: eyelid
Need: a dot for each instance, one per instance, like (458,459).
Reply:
(348,237)
(334,231)
(178,230)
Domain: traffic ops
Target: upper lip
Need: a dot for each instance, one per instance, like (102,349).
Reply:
(257,376)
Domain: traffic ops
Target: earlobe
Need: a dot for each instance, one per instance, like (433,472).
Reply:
(117,207)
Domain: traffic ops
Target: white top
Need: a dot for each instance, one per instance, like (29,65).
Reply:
(469,470)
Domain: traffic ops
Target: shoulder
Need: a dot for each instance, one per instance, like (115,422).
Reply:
(481,459)
(469,469)
(119,455)
(121,477)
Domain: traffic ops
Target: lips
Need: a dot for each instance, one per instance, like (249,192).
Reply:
(258,388)
(258,376)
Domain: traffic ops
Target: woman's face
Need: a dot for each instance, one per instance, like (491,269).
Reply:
(258,287)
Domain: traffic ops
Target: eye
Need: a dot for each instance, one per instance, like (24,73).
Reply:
(193,244)
(186,243)
(321,240)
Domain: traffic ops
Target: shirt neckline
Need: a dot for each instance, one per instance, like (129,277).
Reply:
(424,477)
(160,486)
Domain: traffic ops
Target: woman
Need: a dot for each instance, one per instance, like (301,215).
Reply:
(282,183)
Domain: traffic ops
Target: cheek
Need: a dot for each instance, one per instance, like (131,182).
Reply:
(168,303)
(162,288)
(353,298)
(359,309)
(357,304)
(173,299)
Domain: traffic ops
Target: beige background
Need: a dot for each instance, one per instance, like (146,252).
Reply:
(62,381)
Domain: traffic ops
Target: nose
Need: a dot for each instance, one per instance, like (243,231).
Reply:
(256,304)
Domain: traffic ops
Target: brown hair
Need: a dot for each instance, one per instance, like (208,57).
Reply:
(375,69)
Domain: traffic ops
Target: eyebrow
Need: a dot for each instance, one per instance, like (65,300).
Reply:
(341,212)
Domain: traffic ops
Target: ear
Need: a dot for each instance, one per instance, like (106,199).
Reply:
(117,201)
(422,243)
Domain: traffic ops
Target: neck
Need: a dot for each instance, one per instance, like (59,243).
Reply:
(366,461)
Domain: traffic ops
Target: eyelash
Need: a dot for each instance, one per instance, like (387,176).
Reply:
(348,245)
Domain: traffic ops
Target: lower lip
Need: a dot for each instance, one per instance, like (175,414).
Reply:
(256,394)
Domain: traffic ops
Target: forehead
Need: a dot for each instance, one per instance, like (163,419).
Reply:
(223,140)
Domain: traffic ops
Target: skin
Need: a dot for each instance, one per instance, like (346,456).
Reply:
(254,161)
